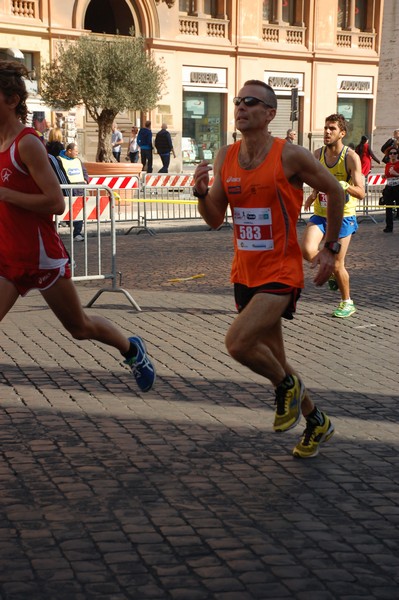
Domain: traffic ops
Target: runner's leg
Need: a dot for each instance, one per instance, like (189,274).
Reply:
(8,296)
(341,274)
(64,301)
(311,240)
(255,339)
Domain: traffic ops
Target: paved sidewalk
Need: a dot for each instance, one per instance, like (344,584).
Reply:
(185,493)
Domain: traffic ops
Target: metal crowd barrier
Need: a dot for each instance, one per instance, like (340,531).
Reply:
(168,197)
(142,201)
(366,208)
(96,208)
(127,191)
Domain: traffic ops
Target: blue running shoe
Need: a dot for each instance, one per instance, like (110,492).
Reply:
(141,366)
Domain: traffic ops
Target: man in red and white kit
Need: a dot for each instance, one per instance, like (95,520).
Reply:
(32,255)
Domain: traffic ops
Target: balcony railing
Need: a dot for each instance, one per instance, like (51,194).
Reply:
(276,34)
(200,26)
(28,9)
(356,39)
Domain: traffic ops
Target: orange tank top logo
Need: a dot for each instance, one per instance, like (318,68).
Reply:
(233,185)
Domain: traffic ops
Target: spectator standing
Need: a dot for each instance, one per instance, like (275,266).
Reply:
(144,140)
(164,147)
(32,255)
(291,136)
(133,147)
(391,190)
(366,155)
(75,172)
(392,142)
(116,141)
(55,144)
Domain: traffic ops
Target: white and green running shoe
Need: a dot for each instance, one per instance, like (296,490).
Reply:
(345,309)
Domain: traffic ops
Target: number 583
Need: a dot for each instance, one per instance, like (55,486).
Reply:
(249,232)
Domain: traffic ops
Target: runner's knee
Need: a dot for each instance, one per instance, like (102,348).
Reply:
(238,347)
(80,331)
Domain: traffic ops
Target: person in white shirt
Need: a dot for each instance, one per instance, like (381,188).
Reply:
(116,141)
(133,147)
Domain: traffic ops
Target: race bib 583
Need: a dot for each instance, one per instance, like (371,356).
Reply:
(253,228)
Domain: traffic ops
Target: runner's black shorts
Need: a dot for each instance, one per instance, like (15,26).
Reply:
(243,294)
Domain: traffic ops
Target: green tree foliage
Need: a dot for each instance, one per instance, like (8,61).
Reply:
(107,76)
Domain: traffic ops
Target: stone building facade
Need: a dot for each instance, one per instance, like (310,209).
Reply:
(328,52)
(387,113)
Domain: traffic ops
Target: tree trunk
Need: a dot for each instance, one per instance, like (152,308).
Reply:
(104,148)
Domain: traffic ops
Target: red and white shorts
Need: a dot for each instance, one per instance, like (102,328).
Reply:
(26,280)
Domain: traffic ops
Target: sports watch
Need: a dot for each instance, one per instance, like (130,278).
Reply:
(198,195)
(334,247)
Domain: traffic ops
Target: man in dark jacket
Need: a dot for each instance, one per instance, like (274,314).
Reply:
(164,146)
(392,142)
(144,140)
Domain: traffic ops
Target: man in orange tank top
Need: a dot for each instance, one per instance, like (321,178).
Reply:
(261,178)
(32,255)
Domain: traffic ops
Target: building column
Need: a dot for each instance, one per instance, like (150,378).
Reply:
(277,12)
(351,20)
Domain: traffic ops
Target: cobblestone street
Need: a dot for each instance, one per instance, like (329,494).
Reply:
(185,493)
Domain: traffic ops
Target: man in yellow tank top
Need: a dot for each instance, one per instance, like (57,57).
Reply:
(261,178)
(345,165)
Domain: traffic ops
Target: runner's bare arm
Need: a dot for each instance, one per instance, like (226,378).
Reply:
(300,166)
(356,188)
(310,199)
(34,157)
(213,207)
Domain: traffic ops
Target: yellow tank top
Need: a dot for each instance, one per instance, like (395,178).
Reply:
(340,173)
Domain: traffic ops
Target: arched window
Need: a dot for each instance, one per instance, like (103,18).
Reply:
(105,16)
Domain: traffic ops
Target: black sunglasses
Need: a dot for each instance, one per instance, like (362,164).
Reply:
(393,153)
(249,101)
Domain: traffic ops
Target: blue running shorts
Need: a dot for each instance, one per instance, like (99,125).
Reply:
(348,227)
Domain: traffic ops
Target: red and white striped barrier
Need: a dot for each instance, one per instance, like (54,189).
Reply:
(92,213)
(376,179)
(115,183)
(165,180)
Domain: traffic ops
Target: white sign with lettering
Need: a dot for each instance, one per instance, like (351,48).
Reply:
(204,77)
(354,85)
(280,81)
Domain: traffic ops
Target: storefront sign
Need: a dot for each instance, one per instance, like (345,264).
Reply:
(204,77)
(283,81)
(354,85)
(196,77)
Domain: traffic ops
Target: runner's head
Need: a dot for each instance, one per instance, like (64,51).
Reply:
(335,128)
(254,106)
(12,86)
